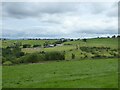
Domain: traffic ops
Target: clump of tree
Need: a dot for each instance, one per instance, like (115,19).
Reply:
(73,56)
(55,55)
(26,45)
(113,36)
(10,53)
(36,45)
(37,57)
(118,36)
(31,58)
(100,52)
(84,40)
(60,41)
(46,44)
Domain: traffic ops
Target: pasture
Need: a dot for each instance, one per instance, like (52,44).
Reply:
(90,64)
(98,73)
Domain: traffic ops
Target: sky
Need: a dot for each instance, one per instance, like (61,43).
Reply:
(59,19)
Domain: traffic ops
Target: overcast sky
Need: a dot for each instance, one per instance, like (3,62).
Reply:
(59,20)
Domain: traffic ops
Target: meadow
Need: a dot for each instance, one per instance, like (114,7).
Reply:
(64,74)
(85,64)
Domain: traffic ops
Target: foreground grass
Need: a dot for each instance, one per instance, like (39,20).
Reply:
(0,77)
(101,73)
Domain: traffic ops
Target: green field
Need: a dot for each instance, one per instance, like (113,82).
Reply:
(68,74)
(110,42)
(83,71)
(6,43)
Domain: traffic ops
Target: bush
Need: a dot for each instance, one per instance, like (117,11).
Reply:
(26,46)
(8,63)
(67,44)
(73,56)
(54,56)
(36,45)
(84,40)
(19,54)
(3,59)
(31,58)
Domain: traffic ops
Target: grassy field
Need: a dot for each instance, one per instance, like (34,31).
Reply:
(6,43)
(110,42)
(80,72)
(98,73)
(0,77)
(96,42)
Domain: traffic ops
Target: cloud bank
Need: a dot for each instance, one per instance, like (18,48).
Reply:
(59,19)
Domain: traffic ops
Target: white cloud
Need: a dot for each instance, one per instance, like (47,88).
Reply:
(59,19)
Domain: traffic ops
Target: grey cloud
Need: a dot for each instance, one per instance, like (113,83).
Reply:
(32,9)
(108,9)
(98,31)
(58,19)
(98,8)
(113,10)
(28,9)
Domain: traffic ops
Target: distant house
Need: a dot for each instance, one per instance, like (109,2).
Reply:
(62,39)
(59,44)
(51,45)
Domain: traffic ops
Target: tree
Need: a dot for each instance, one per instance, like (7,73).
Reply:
(26,46)
(113,36)
(46,43)
(118,36)
(108,37)
(36,45)
(73,56)
(84,40)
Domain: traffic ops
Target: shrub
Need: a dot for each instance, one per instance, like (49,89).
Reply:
(113,36)
(3,59)
(31,58)
(19,54)
(8,63)
(36,45)
(84,40)
(73,56)
(67,44)
(26,46)
(54,56)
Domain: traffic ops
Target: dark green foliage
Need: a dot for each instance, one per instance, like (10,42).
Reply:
(84,40)
(11,53)
(19,54)
(46,44)
(118,36)
(30,58)
(73,56)
(26,46)
(100,52)
(36,45)
(67,44)
(71,39)
(113,36)
(54,56)
(60,41)
(37,57)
